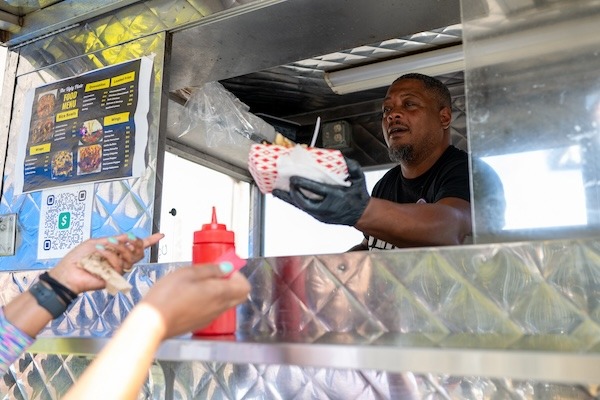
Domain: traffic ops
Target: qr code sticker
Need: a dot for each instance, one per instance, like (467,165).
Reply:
(65,221)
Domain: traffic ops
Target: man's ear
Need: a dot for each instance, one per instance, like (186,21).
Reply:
(445,117)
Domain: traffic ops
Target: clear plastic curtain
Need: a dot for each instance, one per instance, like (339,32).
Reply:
(533,105)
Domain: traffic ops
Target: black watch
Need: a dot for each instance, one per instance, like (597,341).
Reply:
(47,298)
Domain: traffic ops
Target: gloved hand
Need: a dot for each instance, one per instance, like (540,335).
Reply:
(336,204)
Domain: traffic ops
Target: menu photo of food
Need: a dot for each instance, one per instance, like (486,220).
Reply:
(89,159)
(91,132)
(62,164)
(42,130)
(45,104)
(42,126)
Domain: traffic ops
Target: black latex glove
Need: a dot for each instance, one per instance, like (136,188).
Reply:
(336,204)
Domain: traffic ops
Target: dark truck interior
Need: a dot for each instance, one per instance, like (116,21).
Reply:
(276,61)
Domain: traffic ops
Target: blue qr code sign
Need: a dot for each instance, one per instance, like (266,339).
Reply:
(64,221)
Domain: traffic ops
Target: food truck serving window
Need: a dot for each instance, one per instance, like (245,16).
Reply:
(189,193)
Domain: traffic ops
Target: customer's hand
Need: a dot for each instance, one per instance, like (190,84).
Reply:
(179,302)
(121,251)
(335,204)
(189,298)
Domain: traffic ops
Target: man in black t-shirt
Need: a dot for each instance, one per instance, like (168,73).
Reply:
(448,177)
(425,199)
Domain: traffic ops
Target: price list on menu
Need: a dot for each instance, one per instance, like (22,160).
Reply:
(89,128)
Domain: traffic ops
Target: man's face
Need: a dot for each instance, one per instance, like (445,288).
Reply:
(413,121)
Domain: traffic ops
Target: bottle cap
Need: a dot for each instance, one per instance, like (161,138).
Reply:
(214,232)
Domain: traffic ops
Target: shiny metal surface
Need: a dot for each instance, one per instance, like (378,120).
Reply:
(468,321)
(49,376)
(343,352)
(41,19)
(23,7)
(250,32)
(119,26)
(53,16)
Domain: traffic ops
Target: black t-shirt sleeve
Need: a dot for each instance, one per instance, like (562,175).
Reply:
(453,181)
(385,187)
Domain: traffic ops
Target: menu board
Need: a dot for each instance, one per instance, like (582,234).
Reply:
(88,128)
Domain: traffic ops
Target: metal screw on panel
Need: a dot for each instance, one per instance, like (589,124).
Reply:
(173,212)
(341,267)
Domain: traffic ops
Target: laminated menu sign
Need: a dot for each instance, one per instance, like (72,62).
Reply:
(89,128)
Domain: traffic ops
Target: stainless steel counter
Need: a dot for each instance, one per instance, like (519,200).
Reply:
(535,365)
(473,321)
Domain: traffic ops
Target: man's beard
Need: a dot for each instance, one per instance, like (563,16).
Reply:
(401,153)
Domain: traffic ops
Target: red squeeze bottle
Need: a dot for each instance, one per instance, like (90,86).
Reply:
(211,242)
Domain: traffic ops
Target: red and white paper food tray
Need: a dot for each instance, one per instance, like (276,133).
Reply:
(263,163)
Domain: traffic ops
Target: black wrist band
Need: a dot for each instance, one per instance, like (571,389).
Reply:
(48,299)
(64,292)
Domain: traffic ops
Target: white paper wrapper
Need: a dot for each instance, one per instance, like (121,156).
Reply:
(272,166)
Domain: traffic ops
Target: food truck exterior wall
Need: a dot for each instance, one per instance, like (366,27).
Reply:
(125,34)
(120,205)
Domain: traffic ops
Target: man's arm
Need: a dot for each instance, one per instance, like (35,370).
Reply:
(446,222)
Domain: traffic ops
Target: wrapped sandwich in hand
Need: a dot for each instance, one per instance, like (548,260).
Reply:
(99,266)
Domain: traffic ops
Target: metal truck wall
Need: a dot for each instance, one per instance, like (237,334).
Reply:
(139,30)
(119,206)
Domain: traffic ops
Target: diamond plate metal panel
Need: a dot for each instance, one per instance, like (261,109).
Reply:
(47,376)
(234,381)
(533,296)
(96,314)
(512,292)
